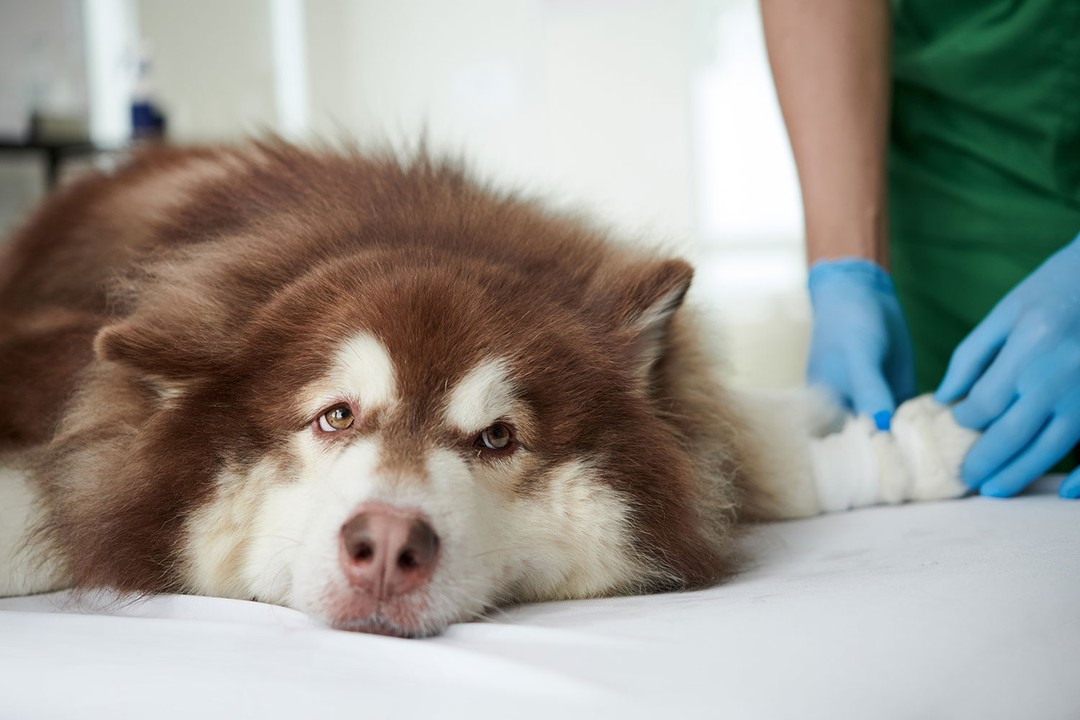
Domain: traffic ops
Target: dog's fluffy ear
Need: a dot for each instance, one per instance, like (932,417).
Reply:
(641,304)
(169,365)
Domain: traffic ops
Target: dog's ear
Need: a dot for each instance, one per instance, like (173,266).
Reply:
(641,303)
(167,364)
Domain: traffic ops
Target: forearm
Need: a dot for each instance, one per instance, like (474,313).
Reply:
(830,62)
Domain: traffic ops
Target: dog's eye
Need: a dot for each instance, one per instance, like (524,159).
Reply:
(498,437)
(339,417)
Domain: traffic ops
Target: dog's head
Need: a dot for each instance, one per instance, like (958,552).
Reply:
(400,438)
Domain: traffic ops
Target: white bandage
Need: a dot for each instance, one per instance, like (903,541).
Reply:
(918,460)
(933,447)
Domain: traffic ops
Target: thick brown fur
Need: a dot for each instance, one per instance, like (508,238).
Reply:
(141,312)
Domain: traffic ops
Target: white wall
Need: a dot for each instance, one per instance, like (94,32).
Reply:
(749,250)
(41,61)
(585,101)
(212,65)
(41,66)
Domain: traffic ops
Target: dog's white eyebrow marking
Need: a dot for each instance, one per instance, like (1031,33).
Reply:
(485,394)
(363,369)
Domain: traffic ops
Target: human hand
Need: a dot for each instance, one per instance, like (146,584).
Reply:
(1019,374)
(860,348)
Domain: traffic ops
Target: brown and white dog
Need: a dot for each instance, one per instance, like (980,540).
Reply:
(386,395)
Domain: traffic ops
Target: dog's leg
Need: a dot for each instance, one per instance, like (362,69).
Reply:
(811,459)
(23,570)
(919,459)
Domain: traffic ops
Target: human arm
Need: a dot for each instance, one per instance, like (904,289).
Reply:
(830,62)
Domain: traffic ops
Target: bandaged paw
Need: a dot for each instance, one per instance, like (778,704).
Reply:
(918,460)
(933,447)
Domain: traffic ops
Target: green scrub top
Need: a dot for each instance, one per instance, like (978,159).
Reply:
(984,158)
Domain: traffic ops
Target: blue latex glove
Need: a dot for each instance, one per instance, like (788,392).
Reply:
(860,348)
(1019,374)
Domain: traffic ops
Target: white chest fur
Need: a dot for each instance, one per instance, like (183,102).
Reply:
(22,572)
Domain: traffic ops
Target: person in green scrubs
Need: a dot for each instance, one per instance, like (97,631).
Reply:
(938,149)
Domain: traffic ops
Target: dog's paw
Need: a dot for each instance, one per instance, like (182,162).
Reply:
(932,446)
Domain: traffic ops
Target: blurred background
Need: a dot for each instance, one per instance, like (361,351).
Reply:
(655,117)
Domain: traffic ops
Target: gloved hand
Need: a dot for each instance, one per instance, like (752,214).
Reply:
(860,348)
(1020,372)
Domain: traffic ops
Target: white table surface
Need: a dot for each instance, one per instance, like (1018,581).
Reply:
(961,609)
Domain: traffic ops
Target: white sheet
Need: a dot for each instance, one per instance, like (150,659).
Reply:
(961,609)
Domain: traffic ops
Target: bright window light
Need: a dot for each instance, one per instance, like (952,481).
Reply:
(290,68)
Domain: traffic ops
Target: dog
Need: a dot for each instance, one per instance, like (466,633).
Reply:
(388,395)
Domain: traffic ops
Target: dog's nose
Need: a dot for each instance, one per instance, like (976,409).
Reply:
(387,551)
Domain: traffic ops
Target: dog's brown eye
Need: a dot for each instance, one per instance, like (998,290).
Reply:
(497,437)
(339,417)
